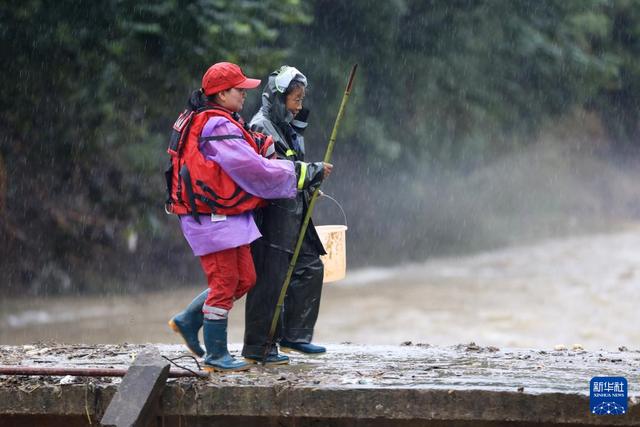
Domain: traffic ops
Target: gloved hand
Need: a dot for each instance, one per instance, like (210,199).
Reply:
(312,174)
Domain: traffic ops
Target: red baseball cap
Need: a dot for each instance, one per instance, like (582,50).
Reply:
(225,75)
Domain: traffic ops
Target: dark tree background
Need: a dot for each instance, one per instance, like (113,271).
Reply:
(89,90)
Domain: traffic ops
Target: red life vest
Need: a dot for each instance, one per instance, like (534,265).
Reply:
(196,185)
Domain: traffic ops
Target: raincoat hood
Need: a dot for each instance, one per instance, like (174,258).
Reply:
(273,100)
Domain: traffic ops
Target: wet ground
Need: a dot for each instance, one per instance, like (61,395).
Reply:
(352,385)
(582,290)
(460,367)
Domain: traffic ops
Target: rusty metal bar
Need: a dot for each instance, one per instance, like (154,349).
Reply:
(83,372)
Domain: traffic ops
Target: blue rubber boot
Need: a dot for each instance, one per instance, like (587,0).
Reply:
(301,347)
(188,322)
(273,358)
(218,357)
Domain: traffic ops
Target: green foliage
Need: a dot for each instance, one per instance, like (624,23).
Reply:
(88,93)
(617,99)
(461,80)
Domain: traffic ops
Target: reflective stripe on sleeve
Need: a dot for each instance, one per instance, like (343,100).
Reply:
(303,175)
(290,152)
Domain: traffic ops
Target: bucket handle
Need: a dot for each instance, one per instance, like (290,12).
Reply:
(323,194)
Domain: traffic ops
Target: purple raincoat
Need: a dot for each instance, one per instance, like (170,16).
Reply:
(268,179)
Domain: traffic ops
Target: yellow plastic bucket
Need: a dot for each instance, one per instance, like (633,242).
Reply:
(334,240)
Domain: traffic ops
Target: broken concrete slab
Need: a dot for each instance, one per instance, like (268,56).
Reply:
(136,401)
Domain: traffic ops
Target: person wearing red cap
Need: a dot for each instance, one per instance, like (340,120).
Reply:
(223,76)
(219,177)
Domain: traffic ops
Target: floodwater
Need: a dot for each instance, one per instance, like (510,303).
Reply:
(582,290)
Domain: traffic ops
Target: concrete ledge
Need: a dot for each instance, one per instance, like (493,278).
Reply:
(404,386)
(395,404)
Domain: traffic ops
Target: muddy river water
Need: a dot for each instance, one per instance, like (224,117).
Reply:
(582,290)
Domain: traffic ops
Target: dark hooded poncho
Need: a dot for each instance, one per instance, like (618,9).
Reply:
(280,221)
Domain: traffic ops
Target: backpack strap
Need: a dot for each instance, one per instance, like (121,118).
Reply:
(219,138)
(209,190)
(186,176)
(214,205)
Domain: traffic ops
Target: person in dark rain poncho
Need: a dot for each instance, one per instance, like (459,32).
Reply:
(218,177)
(283,117)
